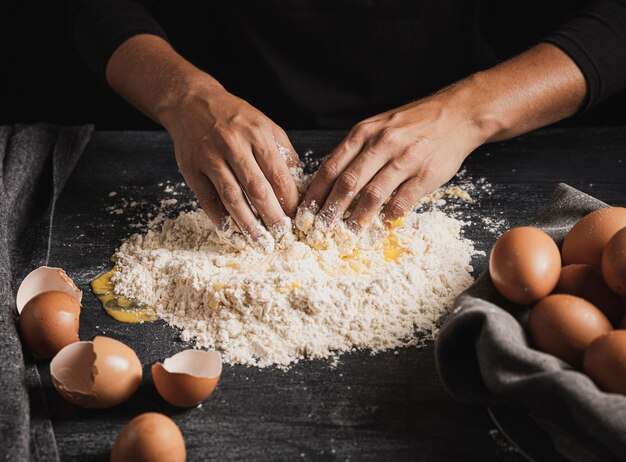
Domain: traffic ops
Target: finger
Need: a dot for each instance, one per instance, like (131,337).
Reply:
(373,196)
(404,200)
(258,190)
(234,201)
(333,166)
(350,208)
(274,158)
(288,152)
(207,197)
(350,183)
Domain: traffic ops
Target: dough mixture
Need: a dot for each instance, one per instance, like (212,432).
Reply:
(317,294)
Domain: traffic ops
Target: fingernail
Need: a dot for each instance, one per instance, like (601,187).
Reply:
(229,232)
(354,226)
(304,219)
(322,221)
(312,207)
(261,239)
(279,230)
(328,216)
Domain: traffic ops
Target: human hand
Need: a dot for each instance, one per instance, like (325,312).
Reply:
(410,150)
(227,150)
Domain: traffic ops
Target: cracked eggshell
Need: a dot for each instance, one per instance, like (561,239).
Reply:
(45,279)
(97,374)
(187,378)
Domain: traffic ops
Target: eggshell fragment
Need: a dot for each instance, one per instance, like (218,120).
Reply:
(524,265)
(187,378)
(149,437)
(605,362)
(564,325)
(44,279)
(48,322)
(587,239)
(614,263)
(586,281)
(97,374)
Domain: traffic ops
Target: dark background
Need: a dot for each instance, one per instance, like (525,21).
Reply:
(42,78)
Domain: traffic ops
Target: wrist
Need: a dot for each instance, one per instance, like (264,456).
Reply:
(474,99)
(184,86)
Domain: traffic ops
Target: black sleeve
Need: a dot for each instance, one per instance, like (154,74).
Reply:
(595,39)
(99,27)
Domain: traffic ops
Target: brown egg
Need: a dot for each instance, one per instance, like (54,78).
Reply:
(48,322)
(587,239)
(605,362)
(97,374)
(524,265)
(614,263)
(564,325)
(187,378)
(586,281)
(149,437)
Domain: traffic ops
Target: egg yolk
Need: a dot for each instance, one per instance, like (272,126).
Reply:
(119,307)
(392,250)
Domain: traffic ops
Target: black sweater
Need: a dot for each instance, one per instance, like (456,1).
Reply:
(330,63)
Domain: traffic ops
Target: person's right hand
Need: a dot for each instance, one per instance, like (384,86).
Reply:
(227,150)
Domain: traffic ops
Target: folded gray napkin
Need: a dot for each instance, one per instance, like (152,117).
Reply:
(483,356)
(35,163)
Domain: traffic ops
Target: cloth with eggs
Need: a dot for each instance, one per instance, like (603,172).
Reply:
(484,356)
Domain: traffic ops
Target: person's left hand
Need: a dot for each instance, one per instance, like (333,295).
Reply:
(411,150)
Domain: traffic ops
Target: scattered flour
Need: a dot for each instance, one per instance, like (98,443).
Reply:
(502,443)
(146,214)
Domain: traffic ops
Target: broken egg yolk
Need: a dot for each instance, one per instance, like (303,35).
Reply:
(119,307)
(392,250)
(353,256)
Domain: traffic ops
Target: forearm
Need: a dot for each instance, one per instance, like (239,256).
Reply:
(148,73)
(537,88)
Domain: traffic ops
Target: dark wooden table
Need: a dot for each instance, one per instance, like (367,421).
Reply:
(384,407)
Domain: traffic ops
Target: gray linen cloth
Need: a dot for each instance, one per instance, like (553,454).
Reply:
(35,163)
(484,356)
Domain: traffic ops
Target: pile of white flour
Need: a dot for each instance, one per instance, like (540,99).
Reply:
(303,299)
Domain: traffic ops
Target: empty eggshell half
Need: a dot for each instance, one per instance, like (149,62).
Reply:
(97,374)
(187,378)
(45,279)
